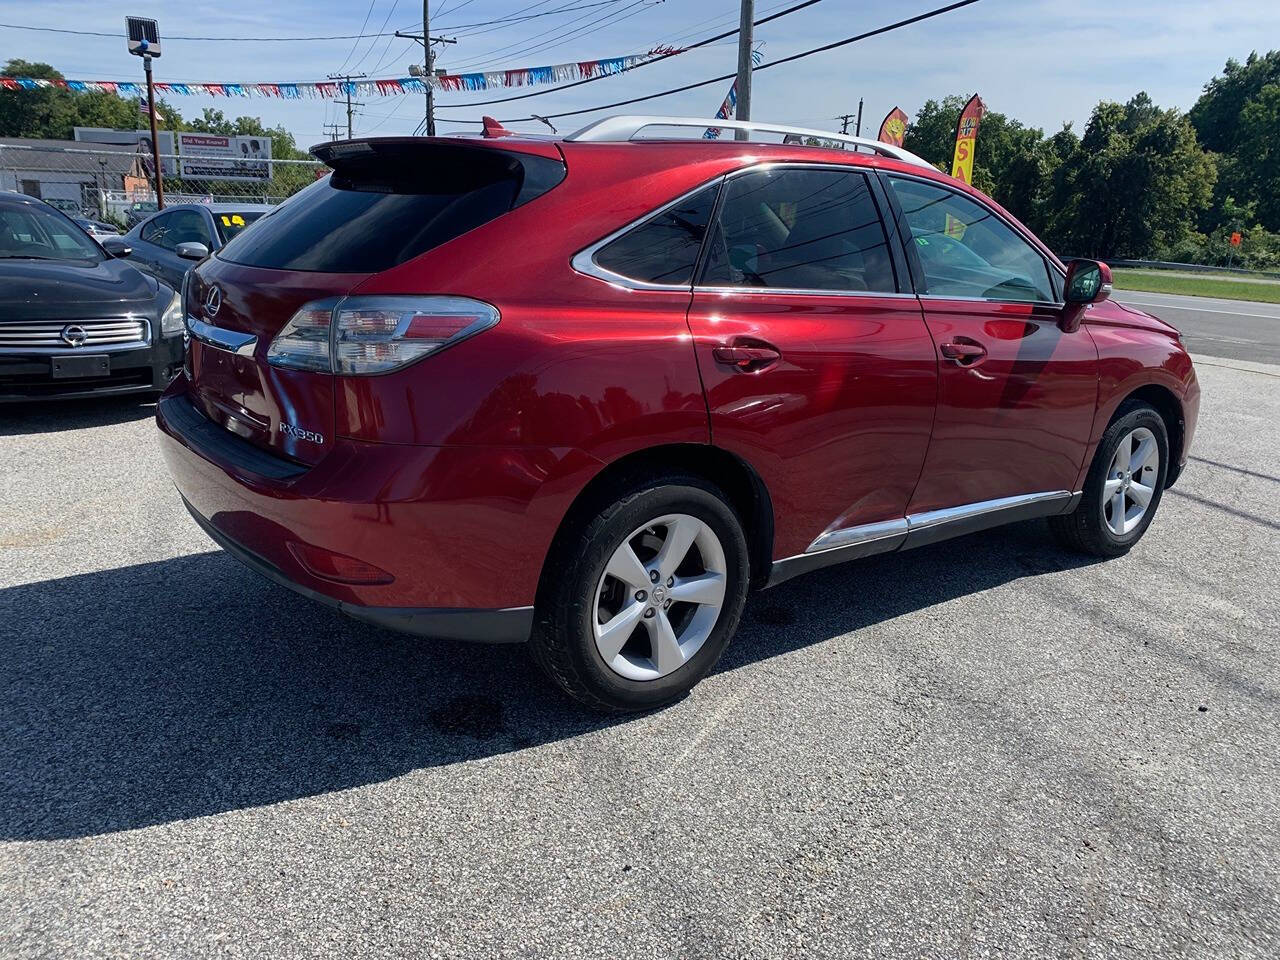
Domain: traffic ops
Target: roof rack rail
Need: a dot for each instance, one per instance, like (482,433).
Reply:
(625,128)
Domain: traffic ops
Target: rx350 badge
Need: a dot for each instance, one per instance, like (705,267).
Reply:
(298,433)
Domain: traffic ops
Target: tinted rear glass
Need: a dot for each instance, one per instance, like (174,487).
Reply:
(664,248)
(379,210)
(230,224)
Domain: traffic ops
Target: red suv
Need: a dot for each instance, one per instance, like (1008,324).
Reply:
(587,392)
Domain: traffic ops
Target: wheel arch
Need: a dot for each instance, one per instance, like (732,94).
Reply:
(747,493)
(1166,403)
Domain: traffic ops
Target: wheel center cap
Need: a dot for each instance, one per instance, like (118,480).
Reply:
(659,593)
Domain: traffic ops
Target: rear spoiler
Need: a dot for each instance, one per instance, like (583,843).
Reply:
(427,164)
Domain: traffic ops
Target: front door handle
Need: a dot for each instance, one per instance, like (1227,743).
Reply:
(966,353)
(748,357)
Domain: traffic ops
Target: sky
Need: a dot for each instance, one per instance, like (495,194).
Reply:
(1044,63)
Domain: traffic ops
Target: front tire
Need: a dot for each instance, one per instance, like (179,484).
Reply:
(1123,487)
(642,595)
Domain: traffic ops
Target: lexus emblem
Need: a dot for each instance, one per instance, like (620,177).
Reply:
(212,302)
(73,335)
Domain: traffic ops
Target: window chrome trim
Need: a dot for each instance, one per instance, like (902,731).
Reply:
(798,292)
(584,261)
(241,344)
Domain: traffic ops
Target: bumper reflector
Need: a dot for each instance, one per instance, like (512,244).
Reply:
(337,567)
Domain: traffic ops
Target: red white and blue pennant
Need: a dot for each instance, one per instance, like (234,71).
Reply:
(331,90)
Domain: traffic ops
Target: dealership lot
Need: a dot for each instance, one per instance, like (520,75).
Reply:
(987,746)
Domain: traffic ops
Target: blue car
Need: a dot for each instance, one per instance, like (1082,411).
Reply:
(168,243)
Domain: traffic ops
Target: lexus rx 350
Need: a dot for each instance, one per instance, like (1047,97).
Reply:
(588,392)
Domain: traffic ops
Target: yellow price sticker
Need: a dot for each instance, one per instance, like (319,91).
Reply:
(235,220)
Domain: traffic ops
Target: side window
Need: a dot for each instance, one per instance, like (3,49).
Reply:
(188,226)
(155,230)
(965,250)
(800,230)
(665,247)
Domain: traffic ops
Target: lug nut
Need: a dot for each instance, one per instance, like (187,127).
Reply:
(648,613)
(641,596)
(653,576)
(667,605)
(671,581)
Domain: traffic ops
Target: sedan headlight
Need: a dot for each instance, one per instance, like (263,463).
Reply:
(171,322)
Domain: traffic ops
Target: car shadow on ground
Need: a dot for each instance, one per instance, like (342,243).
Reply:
(54,416)
(163,691)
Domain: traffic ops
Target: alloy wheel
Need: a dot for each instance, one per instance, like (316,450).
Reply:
(659,597)
(1130,482)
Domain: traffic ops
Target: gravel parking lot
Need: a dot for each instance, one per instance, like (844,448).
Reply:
(983,747)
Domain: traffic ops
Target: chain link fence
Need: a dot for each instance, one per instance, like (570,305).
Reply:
(116,185)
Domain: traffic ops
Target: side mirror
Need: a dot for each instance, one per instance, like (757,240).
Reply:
(1088,281)
(117,246)
(192,250)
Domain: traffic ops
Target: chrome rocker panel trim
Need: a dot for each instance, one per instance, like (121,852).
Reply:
(919,529)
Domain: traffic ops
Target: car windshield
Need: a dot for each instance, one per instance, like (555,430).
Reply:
(30,232)
(231,223)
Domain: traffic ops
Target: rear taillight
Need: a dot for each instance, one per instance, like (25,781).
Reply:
(358,336)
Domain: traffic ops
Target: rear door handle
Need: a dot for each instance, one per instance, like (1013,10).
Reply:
(965,353)
(747,357)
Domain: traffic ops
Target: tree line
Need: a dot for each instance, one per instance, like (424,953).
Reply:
(53,113)
(1142,182)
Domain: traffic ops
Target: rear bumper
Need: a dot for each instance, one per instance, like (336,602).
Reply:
(463,530)
(512,625)
(27,377)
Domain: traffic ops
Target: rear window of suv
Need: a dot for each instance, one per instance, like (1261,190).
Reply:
(390,204)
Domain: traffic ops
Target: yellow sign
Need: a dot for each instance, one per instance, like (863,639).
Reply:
(235,220)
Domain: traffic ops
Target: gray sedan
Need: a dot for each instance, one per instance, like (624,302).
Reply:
(170,242)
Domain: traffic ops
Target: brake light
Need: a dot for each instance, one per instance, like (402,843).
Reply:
(303,344)
(358,336)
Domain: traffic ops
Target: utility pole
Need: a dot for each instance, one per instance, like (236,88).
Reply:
(858,130)
(428,71)
(745,32)
(332,129)
(426,62)
(844,119)
(346,79)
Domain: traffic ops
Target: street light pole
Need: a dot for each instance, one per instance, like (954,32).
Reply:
(745,29)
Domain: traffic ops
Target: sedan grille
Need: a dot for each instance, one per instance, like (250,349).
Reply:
(73,334)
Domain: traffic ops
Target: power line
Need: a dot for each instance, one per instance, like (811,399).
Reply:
(927,15)
(578,83)
(522,47)
(531,16)
(361,36)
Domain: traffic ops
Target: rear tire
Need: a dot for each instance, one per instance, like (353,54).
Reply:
(1123,487)
(608,633)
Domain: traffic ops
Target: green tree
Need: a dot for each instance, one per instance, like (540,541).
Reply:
(53,113)
(1256,167)
(1012,163)
(1136,182)
(1216,115)
(45,113)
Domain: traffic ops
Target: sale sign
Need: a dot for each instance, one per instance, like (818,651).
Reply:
(966,137)
(962,161)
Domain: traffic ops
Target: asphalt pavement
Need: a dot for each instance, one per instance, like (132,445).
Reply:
(1238,329)
(984,747)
